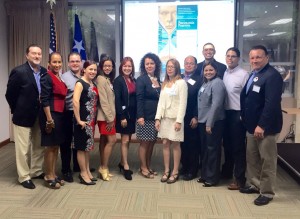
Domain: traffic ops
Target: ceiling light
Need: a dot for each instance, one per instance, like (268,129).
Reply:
(282,21)
(249,35)
(112,16)
(248,22)
(276,34)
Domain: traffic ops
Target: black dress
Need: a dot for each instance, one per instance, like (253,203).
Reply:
(84,138)
(125,99)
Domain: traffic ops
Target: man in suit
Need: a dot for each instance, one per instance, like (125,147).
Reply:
(262,117)
(208,52)
(190,147)
(234,139)
(23,97)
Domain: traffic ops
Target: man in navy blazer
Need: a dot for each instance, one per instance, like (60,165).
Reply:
(190,147)
(209,52)
(262,117)
(22,95)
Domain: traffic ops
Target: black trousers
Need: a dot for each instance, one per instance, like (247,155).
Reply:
(211,151)
(65,148)
(234,143)
(190,151)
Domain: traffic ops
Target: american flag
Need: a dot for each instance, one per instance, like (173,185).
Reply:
(52,46)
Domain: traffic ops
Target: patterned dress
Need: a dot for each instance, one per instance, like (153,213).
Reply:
(84,138)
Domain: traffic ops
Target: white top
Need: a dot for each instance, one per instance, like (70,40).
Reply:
(234,80)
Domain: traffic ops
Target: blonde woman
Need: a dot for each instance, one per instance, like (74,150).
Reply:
(169,118)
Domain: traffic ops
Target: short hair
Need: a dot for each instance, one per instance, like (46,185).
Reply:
(234,49)
(157,62)
(214,65)
(112,74)
(72,54)
(123,62)
(52,54)
(260,47)
(195,59)
(32,45)
(209,44)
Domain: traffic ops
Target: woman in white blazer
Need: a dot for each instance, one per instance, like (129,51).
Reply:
(169,118)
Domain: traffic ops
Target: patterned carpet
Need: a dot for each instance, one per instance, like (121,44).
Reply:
(139,198)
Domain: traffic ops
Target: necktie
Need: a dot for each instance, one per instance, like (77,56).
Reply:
(250,80)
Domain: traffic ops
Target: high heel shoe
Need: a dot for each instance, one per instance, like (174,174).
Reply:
(127,174)
(121,167)
(104,174)
(94,179)
(82,181)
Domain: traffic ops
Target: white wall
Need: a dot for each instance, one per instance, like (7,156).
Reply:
(4,109)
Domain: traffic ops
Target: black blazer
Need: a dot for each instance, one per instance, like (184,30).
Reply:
(261,106)
(221,68)
(22,95)
(192,107)
(147,98)
(121,98)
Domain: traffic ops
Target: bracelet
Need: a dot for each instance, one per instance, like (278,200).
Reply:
(49,123)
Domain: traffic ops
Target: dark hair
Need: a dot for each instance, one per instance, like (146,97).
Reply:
(260,47)
(123,62)
(213,64)
(112,74)
(103,55)
(32,45)
(177,71)
(52,54)
(209,44)
(72,54)
(157,62)
(234,49)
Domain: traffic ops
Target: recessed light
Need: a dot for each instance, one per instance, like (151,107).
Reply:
(276,6)
(282,21)
(276,34)
(248,22)
(266,12)
(249,35)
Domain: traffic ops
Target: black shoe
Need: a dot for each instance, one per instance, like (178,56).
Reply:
(127,174)
(188,177)
(68,177)
(28,184)
(200,180)
(262,200)
(82,181)
(41,176)
(249,190)
(121,167)
(207,184)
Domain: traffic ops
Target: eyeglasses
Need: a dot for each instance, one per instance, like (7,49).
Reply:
(232,57)
(170,67)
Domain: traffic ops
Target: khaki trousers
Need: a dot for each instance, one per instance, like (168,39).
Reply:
(262,163)
(29,152)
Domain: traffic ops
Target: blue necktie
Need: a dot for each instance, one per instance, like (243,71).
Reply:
(250,80)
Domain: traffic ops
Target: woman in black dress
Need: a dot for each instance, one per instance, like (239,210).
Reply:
(53,93)
(125,99)
(85,101)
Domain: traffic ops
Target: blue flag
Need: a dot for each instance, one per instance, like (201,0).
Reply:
(78,45)
(94,55)
(52,46)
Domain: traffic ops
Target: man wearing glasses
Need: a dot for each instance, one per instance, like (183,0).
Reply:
(208,52)
(234,140)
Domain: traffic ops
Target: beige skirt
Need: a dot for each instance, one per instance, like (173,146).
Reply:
(167,130)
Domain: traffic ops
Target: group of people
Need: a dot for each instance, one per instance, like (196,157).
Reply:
(194,113)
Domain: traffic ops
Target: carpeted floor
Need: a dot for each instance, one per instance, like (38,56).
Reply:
(139,198)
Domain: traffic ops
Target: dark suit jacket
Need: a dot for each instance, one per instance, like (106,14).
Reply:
(261,106)
(191,107)
(147,98)
(121,98)
(221,68)
(22,95)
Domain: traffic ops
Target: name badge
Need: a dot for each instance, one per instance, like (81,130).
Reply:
(202,89)
(256,88)
(123,107)
(191,81)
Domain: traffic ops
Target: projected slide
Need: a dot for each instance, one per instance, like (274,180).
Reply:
(177,29)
